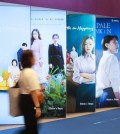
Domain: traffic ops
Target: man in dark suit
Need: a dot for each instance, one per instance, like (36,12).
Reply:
(19,53)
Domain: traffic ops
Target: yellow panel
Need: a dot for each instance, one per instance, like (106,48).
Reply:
(3,83)
(4,88)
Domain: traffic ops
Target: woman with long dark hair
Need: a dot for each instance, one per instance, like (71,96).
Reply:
(37,48)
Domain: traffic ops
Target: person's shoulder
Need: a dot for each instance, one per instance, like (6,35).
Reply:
(93,56)
(77,59)
(110,58)
(10,67)
(113,57)
(50,44)
(29,71)
(71,52)
(39,41)
(60,45)
(108,54)
(80,57)
(28,74)
(17,68)
(19,50)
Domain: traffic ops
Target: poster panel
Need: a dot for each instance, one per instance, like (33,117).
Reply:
(80,63)
(50,54)
(107,62)
(14,31)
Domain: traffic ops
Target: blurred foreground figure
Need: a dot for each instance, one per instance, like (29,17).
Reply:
(29,88)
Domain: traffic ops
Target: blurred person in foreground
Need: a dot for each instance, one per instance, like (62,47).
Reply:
(29,89)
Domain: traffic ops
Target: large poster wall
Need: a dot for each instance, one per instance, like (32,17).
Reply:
(18,27)
(80,63)
(107,62)
(88,63)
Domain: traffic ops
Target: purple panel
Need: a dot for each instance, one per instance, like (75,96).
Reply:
(98,7)
(24,2)
(56,4)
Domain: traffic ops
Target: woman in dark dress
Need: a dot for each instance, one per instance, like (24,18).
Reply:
(55,56)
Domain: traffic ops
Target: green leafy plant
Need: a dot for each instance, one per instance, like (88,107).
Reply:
(55,95)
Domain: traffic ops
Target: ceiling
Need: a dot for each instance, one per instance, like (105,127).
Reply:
(109,8)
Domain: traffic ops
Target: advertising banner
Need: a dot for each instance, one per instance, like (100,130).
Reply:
(80,63)
(50,55)
(18,27)
(14,35)
(107,62)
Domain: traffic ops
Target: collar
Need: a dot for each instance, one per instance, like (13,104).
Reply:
(89,56)
(107,53)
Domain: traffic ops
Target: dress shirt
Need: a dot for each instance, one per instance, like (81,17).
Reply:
(83,64)
(108,73)
(14,71)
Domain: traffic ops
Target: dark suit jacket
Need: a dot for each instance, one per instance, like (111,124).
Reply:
(19,54)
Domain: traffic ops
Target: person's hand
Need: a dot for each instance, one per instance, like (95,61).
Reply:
(91,77)
(38,112)
(50,65)
(82,74)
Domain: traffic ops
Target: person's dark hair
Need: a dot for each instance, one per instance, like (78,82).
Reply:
(27,55)
(107,39)
(55,35)
(13,61)
(71,59)
(24,44)
(32,38)
(83,43)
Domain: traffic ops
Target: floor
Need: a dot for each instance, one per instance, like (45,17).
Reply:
(69,115)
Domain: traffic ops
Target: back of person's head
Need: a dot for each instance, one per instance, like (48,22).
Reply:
(71,59)
(26,59)
(24,44)
(107,39)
